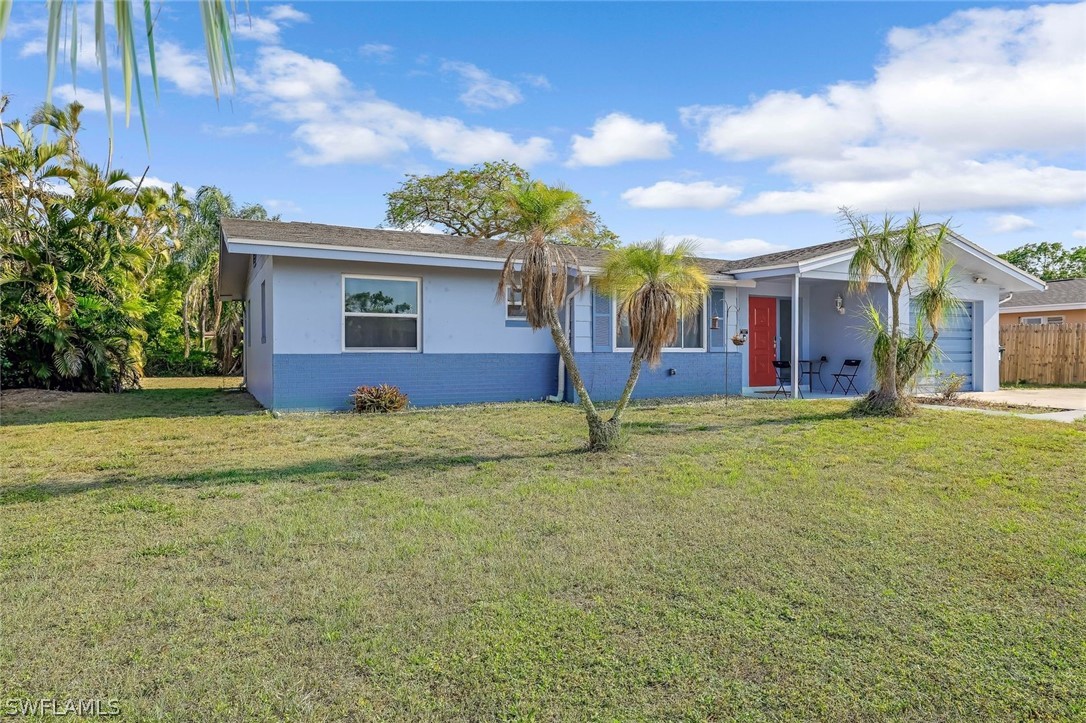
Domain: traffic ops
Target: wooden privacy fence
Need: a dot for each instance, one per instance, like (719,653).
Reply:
(1043,354)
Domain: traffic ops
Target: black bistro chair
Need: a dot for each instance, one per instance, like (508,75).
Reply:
(846,378)
(784,376)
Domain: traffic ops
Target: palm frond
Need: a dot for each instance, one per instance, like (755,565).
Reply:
(655,287)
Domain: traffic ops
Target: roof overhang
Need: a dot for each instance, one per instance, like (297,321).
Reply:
(992,268)
(966,254)
(1042,307)
(791,269)
(233,272)
(235,252)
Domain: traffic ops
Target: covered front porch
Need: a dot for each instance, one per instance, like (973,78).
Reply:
(806,328)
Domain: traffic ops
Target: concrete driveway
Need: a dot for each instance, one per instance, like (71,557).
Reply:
(1048,397)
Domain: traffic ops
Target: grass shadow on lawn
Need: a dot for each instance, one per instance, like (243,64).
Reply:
(358,468)
(133,404)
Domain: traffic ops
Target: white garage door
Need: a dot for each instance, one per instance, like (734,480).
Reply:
(955,346)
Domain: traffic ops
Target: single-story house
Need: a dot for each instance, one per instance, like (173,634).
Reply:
(328,308)
(1063,302)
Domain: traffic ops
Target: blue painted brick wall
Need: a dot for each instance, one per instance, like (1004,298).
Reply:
(325,381)
(696,375)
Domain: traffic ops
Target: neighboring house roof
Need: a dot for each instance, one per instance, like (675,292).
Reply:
(1068,293)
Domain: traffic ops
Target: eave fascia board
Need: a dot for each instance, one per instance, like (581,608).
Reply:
(1042,308)
(354,253)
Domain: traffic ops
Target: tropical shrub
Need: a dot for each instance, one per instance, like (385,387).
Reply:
(78,248)
(382,398)
(176,364)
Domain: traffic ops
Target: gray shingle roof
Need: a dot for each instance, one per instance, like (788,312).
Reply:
(1068,291)
(388,240)
(791,256)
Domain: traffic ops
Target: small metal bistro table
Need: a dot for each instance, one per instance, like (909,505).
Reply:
(814,367)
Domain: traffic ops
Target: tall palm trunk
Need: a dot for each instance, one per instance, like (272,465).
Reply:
(185,321)
(602,433)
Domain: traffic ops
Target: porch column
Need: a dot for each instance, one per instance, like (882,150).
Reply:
(795,337)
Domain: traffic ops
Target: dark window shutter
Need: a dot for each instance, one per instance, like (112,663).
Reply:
(716,308)
(601,322)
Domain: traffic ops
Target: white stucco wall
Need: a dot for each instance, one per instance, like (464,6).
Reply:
(258,354)
(459,312)
(843,336)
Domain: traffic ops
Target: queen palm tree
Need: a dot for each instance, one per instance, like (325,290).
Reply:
(900,255)
(655,287)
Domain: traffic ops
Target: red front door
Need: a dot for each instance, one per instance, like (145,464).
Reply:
(763,340)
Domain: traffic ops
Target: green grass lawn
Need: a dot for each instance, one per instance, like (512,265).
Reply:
(196,559)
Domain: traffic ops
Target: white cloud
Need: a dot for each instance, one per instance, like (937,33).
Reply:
(671,194)
(155,182)
(536,81)
(91,100)
(381,52)
(225,131)
(1081,233)
(735,249)
(286,14)
(186,70)
(265,28)
(481,89)
(944,186)
(972,112)
(618,137)
(337,123)
(782,124)
(1009,223)
(280,205)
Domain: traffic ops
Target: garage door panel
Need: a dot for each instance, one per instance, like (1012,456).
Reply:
(954,348)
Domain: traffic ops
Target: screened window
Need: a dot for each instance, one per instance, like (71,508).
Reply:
(1040,320)
(514,304)
(689,335)
(380,313)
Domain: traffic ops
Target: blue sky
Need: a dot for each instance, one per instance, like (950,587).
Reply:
(742,124)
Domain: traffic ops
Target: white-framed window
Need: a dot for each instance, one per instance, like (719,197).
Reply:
(1040,320)
(381,313)
(690,336)
(514,304)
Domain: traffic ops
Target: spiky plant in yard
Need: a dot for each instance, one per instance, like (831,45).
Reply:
(655,287)
(896,254)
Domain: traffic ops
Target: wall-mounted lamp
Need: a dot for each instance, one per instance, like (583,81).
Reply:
(840,304)
(979,279)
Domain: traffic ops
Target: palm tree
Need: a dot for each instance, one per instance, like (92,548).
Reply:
(214,14)
(655,287)
(897,253)
(199,251)
(540,267)
(77,244)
